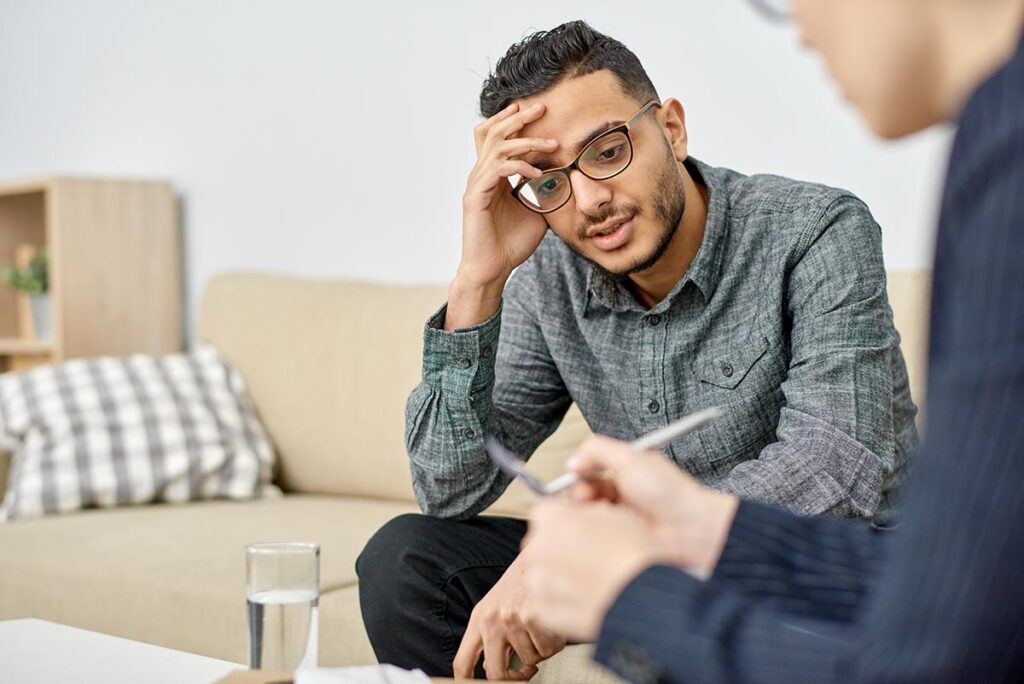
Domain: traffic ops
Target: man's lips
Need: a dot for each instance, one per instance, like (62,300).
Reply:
(610,236)
(607,226)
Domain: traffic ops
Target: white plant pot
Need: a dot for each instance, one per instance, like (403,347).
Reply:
(41,319)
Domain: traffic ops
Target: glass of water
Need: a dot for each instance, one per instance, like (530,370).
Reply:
(283,591)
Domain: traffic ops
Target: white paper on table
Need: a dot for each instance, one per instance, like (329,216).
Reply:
(371,674)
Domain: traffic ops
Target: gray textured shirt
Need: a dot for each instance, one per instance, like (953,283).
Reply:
(782,319)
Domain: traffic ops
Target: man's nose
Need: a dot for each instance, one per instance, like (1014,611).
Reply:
(591,195)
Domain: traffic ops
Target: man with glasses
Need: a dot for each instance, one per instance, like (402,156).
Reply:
(648,285)
(797,599)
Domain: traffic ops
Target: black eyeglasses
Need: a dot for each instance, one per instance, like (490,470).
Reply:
(776,10)
(604,157)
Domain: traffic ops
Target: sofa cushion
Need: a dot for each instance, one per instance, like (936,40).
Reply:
(172,574)
(116,431)
(330,365)
(910,295)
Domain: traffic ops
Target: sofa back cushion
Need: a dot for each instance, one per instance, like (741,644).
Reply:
(331,363)
(910,294)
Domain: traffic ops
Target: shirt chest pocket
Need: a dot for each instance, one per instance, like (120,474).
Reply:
(728,367)
(745,381)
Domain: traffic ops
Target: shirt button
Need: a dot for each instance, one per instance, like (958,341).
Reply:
(463,361)
(654,320)
(654,406)
(469,433)
(486,351)
(727,370)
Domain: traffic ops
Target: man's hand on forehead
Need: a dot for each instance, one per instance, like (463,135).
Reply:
(498,232)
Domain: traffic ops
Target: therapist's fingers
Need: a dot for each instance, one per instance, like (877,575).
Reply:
(646,480)
(598,489)
(598,453)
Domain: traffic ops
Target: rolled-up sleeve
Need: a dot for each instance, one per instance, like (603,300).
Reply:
(835,445)
(494,378)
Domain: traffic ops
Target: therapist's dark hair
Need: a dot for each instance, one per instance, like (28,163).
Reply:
(544,58)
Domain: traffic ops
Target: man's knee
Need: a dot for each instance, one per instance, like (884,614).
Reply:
(394,552)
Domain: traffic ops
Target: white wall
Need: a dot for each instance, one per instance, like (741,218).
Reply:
(333,139)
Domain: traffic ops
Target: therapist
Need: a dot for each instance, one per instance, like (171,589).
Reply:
(793,599)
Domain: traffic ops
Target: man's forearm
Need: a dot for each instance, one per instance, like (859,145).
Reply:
(814,468)
(446,416)
(471,303)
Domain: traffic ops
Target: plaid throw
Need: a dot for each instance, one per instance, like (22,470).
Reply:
(114,431)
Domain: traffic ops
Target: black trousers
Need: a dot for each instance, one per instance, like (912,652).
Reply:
(419,578)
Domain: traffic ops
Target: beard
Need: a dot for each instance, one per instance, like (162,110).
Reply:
(668,206)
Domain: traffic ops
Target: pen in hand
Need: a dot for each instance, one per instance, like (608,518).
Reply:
(653,440)
(516,467)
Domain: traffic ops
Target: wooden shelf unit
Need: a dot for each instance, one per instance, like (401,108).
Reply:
(114,267)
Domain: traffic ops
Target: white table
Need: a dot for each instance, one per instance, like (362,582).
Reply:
(37,651)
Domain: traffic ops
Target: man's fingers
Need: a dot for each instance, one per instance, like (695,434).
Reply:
(468,653)
(511,167)
(502,130)
(484,181)
(546,643)
(523,645)
(521,674)
(481,129)
(496,654)
(519,146)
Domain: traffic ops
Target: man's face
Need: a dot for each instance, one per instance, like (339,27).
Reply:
(643,204)
(880,54)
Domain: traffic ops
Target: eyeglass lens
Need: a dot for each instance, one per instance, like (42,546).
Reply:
(603,158)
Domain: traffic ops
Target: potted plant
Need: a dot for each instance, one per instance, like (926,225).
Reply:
(33,280)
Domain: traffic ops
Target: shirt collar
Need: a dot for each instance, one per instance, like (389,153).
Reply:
(705,269)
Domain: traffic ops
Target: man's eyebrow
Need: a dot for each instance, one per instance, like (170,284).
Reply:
(546,162)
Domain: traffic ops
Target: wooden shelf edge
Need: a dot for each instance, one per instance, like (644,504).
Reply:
(26,186)
(13,345)
(42,184)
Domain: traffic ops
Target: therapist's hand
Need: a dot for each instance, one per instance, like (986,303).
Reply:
(691,521)
(581,558)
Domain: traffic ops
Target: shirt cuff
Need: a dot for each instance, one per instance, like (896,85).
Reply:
(460,355)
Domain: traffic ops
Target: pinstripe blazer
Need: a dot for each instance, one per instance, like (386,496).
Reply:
(942,597)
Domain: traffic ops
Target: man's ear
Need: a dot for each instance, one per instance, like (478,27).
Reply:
(672,117)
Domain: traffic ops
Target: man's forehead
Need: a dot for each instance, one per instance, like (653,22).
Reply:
(576,106)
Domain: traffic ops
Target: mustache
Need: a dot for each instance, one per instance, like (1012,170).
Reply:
(589,222)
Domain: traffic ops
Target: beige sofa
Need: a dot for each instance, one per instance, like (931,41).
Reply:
(329,365)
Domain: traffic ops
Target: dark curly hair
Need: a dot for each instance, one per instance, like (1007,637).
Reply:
(544,58)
